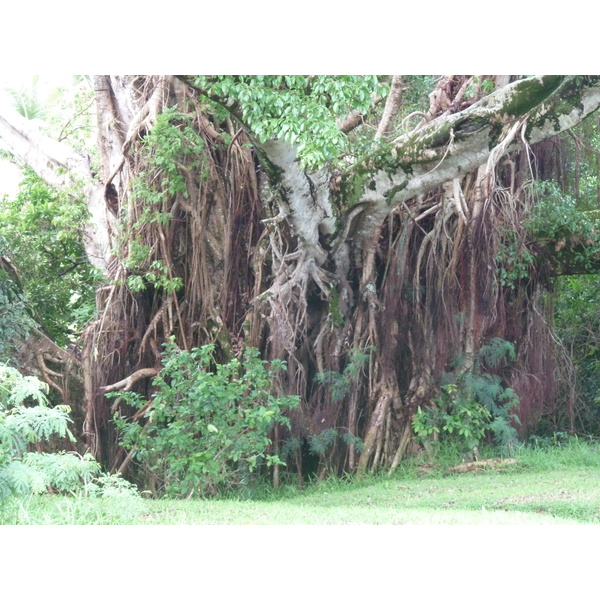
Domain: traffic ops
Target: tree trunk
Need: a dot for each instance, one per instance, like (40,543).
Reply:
(244,247)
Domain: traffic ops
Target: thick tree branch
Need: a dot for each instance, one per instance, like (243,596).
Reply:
(63,168)
(110,135)
(127,383)
(352,121)
(55,162)
(529,110)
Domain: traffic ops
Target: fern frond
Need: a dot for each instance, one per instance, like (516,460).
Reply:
(497,351)
(37,423)
(16,388)
(21,479)
(65,472)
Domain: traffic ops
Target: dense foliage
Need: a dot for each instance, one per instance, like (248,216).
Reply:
(41,231)
(577,325)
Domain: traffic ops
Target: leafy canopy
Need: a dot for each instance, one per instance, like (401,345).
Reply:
(301,110)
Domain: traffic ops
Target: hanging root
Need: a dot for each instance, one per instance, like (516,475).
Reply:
(201,235)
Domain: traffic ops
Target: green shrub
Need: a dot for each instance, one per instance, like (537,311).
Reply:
(454,416)
(208,425)
(476,403)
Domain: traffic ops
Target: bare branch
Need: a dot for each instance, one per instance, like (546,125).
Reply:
(355,118)
(352,121)
(492,463)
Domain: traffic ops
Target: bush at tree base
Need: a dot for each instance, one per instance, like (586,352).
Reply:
(208,424)
(475,404)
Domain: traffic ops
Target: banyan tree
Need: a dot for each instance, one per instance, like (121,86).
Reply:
(331,222)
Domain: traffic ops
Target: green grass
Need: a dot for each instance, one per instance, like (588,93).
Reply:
(559,485)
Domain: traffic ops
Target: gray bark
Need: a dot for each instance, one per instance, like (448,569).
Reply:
(524,112)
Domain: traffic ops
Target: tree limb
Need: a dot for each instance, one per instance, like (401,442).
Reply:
(127,383)
(355,118)
(454,144)
(392,106)
(55,162)
(352,121)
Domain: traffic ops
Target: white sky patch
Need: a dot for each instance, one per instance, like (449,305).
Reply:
(10,176)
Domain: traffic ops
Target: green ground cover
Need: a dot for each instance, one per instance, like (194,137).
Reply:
(556,485)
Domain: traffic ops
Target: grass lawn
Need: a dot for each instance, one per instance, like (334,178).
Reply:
(553,486)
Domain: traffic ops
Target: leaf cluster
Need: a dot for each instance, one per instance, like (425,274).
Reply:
(479,86)
(172,143)
(460,417)
(300,110)
(514,261)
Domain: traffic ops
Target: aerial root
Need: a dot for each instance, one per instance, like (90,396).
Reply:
(127,383)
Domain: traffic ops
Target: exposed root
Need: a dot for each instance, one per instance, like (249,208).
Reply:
(47,375)
(490,463)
